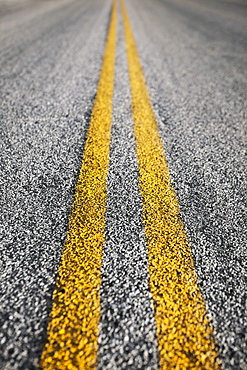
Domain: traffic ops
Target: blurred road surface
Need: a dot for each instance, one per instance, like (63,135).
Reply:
(194,58)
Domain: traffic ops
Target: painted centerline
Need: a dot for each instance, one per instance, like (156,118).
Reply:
(185,337)
(127,338)
(73,326)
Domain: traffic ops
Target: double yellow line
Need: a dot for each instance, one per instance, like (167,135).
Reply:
(185,337)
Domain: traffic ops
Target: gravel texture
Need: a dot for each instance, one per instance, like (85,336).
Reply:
(127,330)
(194,59)
(49,78)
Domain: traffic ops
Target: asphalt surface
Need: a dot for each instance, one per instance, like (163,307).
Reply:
(48,87)
(194,58)
(197,81)
(127,328)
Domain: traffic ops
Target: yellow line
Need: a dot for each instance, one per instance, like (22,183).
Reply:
(73,326)
(185,337)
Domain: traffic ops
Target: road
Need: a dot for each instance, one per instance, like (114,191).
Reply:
(145,175)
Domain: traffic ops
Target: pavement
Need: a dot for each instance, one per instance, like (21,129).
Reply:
(193,56)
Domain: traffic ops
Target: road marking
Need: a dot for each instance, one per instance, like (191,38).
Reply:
(186,339)
(73,326)
(127,315)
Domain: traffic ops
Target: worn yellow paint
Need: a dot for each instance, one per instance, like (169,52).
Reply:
(74,318)
(185,337)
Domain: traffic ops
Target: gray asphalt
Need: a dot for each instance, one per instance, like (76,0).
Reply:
(194,56)
(127,328)
(194,59)
(49,76)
